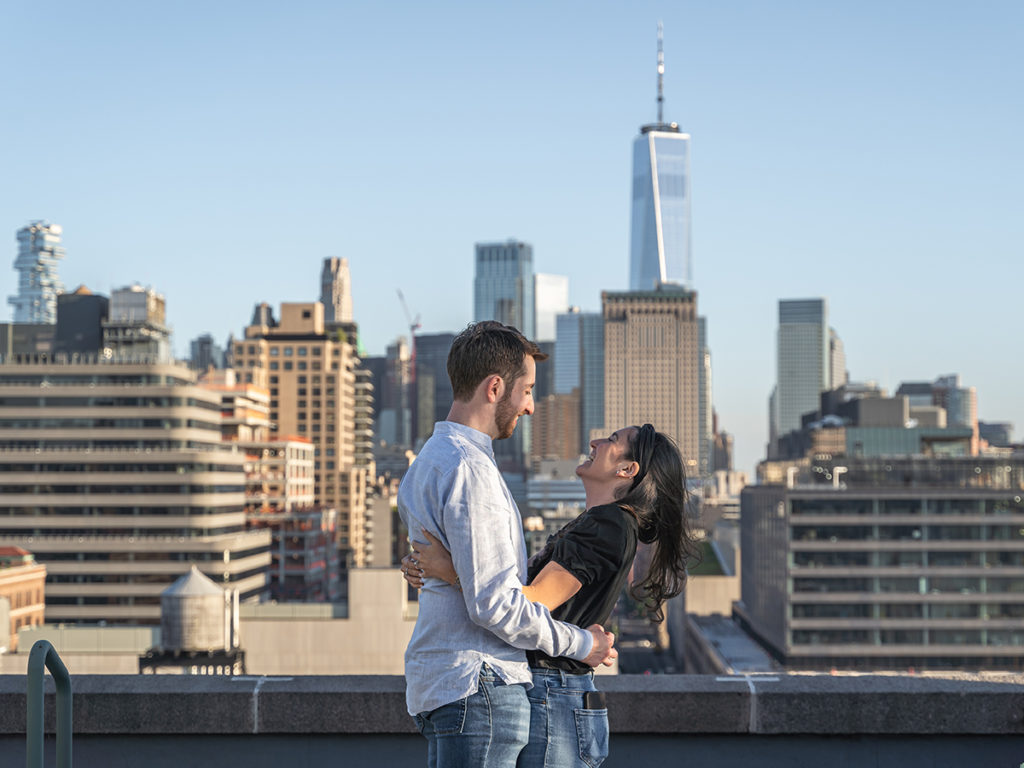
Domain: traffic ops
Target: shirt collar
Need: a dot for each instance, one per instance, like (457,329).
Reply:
(475,436)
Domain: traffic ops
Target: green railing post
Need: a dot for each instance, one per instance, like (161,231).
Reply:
(44,656)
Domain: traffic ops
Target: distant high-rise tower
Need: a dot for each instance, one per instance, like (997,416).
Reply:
(336,291)
(660,230)
(551,298)
(705,418)
(836,360)
(503,288)
(803,362)
(579,366)
(503,291)
(38,283)
(650,363)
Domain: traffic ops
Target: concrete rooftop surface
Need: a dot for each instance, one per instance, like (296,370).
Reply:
(794,720)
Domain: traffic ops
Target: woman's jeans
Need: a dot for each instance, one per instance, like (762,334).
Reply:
(563,732)
(486,729)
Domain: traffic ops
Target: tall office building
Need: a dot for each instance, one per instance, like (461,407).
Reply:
(117,479)
(650,363)
(432,389)
(503,286)
(836,360)
(503,291)
(336,291)
(38,283)
(705,408)
(551,298)
(803,362)
(579,366)
(205,353)
(660,228)
(311,375)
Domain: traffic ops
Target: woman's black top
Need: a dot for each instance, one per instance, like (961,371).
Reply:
(597,548)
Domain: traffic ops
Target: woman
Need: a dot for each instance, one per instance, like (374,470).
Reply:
(635,489)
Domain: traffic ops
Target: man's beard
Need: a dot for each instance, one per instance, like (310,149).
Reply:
(505,417)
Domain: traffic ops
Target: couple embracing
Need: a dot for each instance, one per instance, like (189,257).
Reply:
(498,673)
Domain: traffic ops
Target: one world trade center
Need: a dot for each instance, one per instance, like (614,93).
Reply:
(660,232)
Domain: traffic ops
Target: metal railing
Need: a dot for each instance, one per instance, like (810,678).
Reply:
(44,656)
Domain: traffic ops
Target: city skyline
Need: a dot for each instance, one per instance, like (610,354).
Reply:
(864,154)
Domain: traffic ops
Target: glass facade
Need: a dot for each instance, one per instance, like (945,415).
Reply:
(660,231)
(38,283)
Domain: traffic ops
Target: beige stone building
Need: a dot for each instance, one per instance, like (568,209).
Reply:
(650,364)
(310,372)
(22,585)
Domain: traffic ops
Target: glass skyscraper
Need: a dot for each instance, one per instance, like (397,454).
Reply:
(503,287)
(38,284)
(660,232)
(803,361)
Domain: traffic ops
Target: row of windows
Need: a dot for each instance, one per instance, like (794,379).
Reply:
(60,467)
(916,585)
(88,511)
(151,401)
(161,556)
(276,350)
(186,533)
(23,598)
(917,559)
(966,532)
(866,507)
(86,490)
(106,423)
(908,611)
(996,637)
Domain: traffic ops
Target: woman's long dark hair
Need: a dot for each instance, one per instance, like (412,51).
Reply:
(657,497)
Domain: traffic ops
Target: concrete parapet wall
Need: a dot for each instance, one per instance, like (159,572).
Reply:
(923,721)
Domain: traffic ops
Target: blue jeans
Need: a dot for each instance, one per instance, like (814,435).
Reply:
(562,732)
(488,728)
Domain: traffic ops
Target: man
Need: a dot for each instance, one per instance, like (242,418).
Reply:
(465,666)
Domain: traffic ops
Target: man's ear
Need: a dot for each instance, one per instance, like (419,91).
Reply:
(495,387)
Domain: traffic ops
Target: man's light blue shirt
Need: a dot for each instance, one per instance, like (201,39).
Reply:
(454,490)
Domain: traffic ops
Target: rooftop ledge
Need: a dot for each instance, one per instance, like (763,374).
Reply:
(922,720)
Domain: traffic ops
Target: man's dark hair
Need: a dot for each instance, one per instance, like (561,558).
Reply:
(484,349)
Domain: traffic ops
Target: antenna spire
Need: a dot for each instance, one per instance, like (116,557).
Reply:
(661,73)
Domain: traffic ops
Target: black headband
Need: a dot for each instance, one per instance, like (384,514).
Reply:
(643,449)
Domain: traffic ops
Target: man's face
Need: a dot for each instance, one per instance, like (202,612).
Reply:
(517,401)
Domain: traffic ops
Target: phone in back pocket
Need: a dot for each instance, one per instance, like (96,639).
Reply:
(594,700)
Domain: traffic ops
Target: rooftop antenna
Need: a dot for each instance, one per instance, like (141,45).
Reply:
(661,72)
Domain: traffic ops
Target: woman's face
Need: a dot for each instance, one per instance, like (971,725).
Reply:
(607,458)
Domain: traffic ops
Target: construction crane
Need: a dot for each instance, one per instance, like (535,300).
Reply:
(414,325)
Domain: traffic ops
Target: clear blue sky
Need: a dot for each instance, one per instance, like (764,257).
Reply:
(868,152)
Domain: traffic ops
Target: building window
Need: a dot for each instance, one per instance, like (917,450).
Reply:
(252,349)
(316,366)
(316,351)
(301,379)
(302,365)
(273,365)
(287,365)
(301,404)
(302,351)
(274,351)
(287,351)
